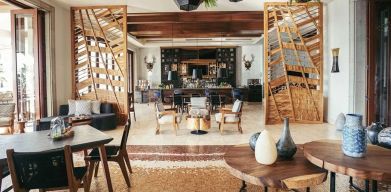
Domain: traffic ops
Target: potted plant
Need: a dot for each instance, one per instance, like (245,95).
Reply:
(210,3)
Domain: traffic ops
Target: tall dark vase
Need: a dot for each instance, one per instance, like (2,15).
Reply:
(286,147)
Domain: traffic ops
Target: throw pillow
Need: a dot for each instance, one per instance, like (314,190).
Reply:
(72,107)
(95,107)
(83,107)
(237,105)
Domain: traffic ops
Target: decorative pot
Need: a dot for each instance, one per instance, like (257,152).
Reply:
(384,138)
(340,122)
(354,142)
(265,149)
(286,147)
(253,140)
(373,131)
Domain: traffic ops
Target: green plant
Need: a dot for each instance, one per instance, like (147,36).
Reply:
(210,3)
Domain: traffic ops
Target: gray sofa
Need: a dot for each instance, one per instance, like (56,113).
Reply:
(106,120)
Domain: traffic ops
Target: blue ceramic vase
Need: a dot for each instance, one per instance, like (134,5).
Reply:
(354,142)
(286,147)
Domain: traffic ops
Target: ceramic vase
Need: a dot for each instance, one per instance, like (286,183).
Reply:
(253,140)
(340,122)
(265,149)
(384,138)
(354,142)
(286,147)
(373,131)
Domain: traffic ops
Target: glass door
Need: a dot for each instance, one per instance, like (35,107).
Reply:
(28,62)
(383,66)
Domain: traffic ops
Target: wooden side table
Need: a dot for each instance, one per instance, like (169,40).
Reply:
(327,154)
(283,174)
(82,120)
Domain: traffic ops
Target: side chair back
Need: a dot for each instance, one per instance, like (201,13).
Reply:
(125,134)
(41,170)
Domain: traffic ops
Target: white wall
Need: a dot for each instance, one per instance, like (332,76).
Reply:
(344,91)
(256,70)
(142,74)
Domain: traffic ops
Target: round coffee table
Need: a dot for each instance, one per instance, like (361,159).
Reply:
(295,173)
(327,154)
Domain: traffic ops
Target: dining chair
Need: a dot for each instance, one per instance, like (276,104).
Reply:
(215,101)
(131,105)
(4,171)
(115,153)
(237,94)
(47,170)
(178,102)
(230,116)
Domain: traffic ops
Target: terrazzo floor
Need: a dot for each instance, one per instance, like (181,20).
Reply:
(143,130)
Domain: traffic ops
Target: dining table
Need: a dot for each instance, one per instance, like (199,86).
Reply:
(85,137)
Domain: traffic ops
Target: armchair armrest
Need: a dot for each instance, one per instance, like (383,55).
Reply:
(230,112)
(167,113)
(225,110)
(171,109)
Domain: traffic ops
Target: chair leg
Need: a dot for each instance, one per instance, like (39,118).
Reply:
(240,128)
(175,128)
(127,161)
(96,169)
(221,128)
(134,115)
(157,129)
(89,176)
(121,164)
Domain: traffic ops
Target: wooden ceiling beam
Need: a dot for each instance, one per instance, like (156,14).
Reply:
(195,17)
(196,24)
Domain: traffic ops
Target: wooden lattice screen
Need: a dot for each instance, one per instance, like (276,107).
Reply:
(293,62)
(100,55)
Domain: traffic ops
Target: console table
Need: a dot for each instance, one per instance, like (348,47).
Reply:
(327,154)
(284,174)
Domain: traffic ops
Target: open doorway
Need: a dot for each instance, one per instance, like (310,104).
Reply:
(23,63)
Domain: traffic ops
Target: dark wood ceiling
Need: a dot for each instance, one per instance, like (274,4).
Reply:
(196,24)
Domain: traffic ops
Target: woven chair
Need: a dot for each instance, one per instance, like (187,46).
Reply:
(7,116)
(4,172)
(114,153)
(48,170)
(230,116)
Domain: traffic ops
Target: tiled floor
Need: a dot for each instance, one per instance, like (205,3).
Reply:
(143,130)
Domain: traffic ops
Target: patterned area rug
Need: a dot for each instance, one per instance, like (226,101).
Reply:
(187,169)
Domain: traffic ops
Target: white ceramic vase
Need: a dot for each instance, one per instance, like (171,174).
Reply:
(265,149)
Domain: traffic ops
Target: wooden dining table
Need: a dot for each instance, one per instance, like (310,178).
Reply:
(85,137)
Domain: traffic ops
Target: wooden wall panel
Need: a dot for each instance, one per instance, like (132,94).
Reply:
(293,62)
(99,54)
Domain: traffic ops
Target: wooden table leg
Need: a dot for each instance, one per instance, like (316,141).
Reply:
(103,158)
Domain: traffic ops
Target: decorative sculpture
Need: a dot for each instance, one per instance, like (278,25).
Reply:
(248,63)
(150,64)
